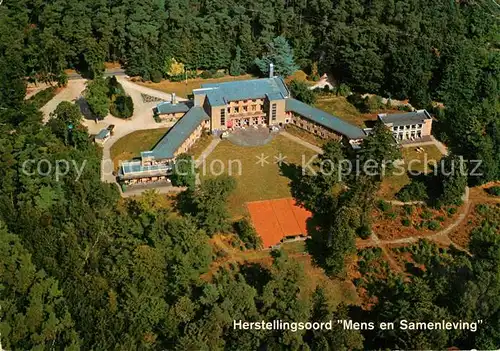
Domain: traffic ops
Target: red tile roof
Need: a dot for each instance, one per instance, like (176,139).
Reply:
(275,220)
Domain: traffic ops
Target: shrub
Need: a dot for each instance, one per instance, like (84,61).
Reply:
(384,206)
(247,234)
(391,215)
(359,102)
(426,214)
(178,78)
(415,191)
(420,225)
(364,231)
(301,91)
(343,90)
(494,190)
(210,73)
(406,108)
(41,98)
(156,76)
(433,225)
(440,218)
(219,74)
(408,209)
(452,210)
(326,89)
(122,107)
(374,103)
(114,87)
(406,222)
(124,187)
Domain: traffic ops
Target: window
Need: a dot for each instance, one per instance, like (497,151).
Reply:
(394,128)
(223,117)
(419,126)
(401,127)
(254,107)
(273,112)
(245,109)
(236,109)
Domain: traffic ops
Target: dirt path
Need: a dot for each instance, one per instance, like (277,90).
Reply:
(440,237)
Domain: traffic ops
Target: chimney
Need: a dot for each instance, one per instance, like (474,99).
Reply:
(271,70)
(173,98)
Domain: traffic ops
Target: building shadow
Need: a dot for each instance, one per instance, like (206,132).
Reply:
(370,123)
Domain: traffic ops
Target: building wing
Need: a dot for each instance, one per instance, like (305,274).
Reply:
(324,119)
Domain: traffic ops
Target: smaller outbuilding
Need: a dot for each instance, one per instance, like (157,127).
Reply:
(409,126)
(102,136)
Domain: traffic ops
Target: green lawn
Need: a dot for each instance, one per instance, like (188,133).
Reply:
(256,182)
(200,145)
(340,107)
(131,145)
(392,184)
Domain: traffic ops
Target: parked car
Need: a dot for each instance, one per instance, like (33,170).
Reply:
(111,127)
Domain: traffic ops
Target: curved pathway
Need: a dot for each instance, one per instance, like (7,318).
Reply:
(439,237)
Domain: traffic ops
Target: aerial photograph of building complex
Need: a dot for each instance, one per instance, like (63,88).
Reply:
(248,175)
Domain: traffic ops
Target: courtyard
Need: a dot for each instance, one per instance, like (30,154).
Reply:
(256,169)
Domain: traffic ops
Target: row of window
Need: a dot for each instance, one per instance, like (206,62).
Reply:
(408,135)
(237,109)
(407,127)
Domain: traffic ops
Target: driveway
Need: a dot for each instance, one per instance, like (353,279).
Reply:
(71,93)
(141,119)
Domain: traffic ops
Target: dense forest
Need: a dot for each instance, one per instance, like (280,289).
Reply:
(445,51)
(82,269)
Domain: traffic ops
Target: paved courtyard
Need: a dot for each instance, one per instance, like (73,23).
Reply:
(250,136)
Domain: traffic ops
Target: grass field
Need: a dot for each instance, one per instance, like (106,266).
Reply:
(200,145)
(183,90)
(132,144)
(340,107)
(256,182)
(392,184)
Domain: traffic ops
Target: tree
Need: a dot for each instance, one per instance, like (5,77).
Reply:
(209,204)
(172,68)
(184,171)
(338,338)
(453,179)
(122,106)
(235,69)
(247,234)
(301,91)
(34,311)
(379,151)
(280,54)
(65,123)
(96,96)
